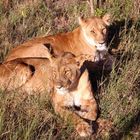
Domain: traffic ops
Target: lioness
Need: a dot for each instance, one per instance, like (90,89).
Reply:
(88,38)
(69,86)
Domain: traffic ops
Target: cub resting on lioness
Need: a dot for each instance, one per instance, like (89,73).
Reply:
(69,86)
(89,38)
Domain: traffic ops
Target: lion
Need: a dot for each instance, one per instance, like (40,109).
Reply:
(63,79)
(77,105)
(89,38)
(72,96)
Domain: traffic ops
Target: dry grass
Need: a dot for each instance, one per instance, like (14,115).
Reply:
(119,98)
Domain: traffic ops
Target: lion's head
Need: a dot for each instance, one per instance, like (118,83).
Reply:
(94,30)
(65,73)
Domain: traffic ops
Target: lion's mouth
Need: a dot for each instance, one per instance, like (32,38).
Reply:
(61,90)
(101,47)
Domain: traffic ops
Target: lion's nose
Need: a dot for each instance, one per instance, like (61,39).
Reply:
(59,84)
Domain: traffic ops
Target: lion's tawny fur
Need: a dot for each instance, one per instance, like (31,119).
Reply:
(86,39)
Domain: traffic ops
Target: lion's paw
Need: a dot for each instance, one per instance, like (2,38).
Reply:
(84,129)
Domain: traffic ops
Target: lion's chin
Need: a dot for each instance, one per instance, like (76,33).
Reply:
(61,90)
(101,47)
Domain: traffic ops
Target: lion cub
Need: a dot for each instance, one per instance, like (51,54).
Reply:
(72,90)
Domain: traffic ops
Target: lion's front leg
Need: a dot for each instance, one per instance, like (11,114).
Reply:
(85,57)
(83,128)
(88,109)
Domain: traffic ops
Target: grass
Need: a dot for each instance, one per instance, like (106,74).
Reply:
(31,118)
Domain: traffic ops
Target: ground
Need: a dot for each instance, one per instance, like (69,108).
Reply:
(118,94)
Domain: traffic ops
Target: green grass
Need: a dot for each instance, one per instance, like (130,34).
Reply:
(33,118)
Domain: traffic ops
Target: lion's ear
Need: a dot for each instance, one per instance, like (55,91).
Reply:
(81,21)
(49,47)
(50,52)
(107,19)
(79,64)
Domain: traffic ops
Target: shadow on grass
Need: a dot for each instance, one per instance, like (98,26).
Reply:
(114,35)
(135,121)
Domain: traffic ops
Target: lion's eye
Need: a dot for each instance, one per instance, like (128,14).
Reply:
(78,63)
(54,74)
(104,30)
(93,31)
(68,73)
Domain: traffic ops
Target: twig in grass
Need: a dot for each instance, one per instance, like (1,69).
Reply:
(90,2)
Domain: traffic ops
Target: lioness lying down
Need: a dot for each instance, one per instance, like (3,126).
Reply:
(18,75)
(88,38)
(69,86)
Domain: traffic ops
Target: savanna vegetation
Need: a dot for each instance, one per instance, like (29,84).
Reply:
(118,94)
